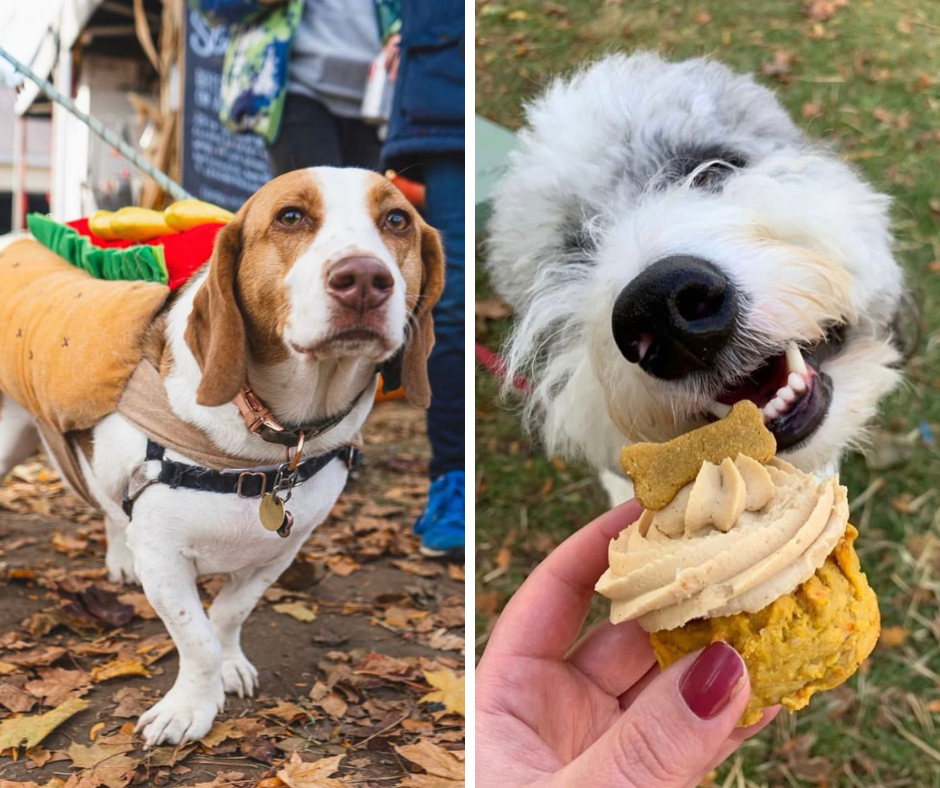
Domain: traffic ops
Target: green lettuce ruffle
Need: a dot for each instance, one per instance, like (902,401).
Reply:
(143,262)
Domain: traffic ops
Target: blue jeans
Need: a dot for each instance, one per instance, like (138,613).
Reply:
(444,179)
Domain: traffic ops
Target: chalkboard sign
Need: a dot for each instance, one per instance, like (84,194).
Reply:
(218,166)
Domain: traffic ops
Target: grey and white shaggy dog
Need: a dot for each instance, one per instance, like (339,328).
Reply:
(672,243)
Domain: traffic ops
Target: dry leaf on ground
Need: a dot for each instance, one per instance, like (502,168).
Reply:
(445,769)
(298,774)
(297,610)
(29,731)
(451,690)
(105,762)
(119,667)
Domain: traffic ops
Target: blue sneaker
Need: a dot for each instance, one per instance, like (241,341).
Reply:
(441,525)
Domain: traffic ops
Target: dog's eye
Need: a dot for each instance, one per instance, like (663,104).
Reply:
(713,176)
(397,221)
(290,217)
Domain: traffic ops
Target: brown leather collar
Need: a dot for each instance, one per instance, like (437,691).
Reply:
(262,422)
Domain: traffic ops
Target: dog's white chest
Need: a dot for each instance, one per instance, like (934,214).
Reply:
(223,533)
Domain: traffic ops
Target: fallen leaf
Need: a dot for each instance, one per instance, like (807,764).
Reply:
(420,568)
(68,543)
(298,774)
(781,66)
(342,565)
(119,667)
(892,637)
(29,731)
(703,18)
(57,684)
(131,702)
(445,769)
(16,699)
(451,690)
(221,731)
(107,760)
(334,705)
(297,610)
(286,711)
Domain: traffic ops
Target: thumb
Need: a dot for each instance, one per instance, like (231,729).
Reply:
(674,731)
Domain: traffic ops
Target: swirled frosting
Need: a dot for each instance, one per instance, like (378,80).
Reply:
(738,537)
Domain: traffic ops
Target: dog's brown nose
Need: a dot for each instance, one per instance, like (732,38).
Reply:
(360,283)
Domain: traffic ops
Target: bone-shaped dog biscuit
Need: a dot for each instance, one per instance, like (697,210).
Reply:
(660,470)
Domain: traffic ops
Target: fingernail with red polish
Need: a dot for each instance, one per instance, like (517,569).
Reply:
(712,681)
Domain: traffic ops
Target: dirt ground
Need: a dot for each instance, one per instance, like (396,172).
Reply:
(348,645)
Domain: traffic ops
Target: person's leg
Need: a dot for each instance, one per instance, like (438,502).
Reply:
(442,524)
(359,143)
(310,137)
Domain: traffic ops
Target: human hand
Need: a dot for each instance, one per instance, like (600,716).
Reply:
(555,713)
(392,50)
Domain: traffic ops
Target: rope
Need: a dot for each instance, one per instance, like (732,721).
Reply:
(112,139)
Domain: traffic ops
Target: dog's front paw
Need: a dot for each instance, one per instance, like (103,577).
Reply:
(239,676)
(120,563)
(180,717)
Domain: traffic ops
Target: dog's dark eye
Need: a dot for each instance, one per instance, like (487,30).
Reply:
(713,176)
(290,217)
(397,221)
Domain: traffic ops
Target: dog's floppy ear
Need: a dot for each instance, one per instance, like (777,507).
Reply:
(414,365)
(216,329)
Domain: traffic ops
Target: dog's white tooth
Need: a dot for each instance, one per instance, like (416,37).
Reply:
(796,382)
(770,411)
(778,405)
(795,362)
(720,409)
(786,394)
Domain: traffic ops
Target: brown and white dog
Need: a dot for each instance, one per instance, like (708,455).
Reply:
(323,274)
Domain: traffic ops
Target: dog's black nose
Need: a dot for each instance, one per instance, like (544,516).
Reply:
(675,317)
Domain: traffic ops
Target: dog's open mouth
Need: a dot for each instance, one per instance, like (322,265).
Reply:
(791,391)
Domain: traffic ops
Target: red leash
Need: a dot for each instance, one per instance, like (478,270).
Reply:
(495,364)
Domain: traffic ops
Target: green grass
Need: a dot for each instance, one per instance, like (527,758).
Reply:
(868,80)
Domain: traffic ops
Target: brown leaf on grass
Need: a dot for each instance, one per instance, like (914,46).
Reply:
(298,774)
(892,637)
(445,769)
(119,667)
(104,762)
(780,67)
(450,690)
(57,684)
(16,699)
(29,731)
(702,18)
(811,110)
(297,610)
(822,10)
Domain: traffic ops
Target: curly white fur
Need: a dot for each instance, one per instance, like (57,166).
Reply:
(604,183)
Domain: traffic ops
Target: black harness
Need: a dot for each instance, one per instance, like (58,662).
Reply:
(247,483)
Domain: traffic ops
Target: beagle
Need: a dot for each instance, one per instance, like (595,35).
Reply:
(270,355)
